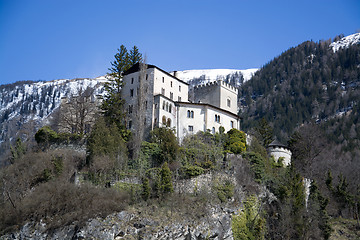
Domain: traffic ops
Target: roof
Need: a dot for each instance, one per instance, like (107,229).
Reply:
(276,143)
(136,68)
(209,105)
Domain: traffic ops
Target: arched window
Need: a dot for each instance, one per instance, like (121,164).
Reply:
(188,113)
(217,118)
(170,107)
(213,130)
(167,107)
(192,114)
(168,123)
(163,105)
(164,120)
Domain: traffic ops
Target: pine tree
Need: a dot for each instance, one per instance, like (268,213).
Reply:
(265,131)
(18,151)
(135,56)
(146,190)
(249,223)
(113,103)
(165,176)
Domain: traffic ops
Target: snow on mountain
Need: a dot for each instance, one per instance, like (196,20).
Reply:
(27,106)
(345,42)
(39,99)
(210,75)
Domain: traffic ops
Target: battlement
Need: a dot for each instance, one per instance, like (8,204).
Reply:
(218,83)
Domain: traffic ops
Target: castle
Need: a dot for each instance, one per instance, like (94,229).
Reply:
(156,98)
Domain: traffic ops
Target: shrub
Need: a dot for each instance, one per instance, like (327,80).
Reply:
(45,137)
(189,171)
(224,191)
(235,141)
(166,140)
(202,149)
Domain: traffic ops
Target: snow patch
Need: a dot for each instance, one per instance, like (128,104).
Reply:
(345,42)
(214,74)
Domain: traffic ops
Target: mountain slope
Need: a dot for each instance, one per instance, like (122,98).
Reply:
(235,77)
(310,95)
(26,106)
(310,82)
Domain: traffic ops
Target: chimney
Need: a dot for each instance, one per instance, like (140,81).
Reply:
(175,74)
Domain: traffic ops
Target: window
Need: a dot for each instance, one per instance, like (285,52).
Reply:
(130,124)
(167,107)
(163,79)
(130,109)
(171,84)
(132,80)
(168,122)
(228,103)
(164,120)
(213,130)
(170,107)
(190,114)
(232,124)
(155,105)
(163,105)
(131,92)
(145,104)
(217,118)
(146,77)
(179,88)
(163,91)
(191,128)
(171,95)
(179,99)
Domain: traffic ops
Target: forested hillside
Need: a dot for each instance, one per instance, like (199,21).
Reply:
(307,83)
(310,97)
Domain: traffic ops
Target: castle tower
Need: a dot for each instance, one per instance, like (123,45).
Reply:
(218,94)
(279,151)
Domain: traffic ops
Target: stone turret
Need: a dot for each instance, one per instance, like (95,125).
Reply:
(279,150)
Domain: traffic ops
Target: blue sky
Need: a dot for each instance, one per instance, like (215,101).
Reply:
(46,40)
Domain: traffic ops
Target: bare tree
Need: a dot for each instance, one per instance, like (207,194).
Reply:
(140,109)
(78,113)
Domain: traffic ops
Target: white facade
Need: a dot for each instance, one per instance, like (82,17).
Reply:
(163,100)
(278,150)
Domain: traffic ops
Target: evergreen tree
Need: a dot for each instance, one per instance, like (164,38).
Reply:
(113,103)
(249,223)
(18,151)
(165,179)
(317,206)
(169,146)
(135,56)
(265,132)
(107,141)
(146,190)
